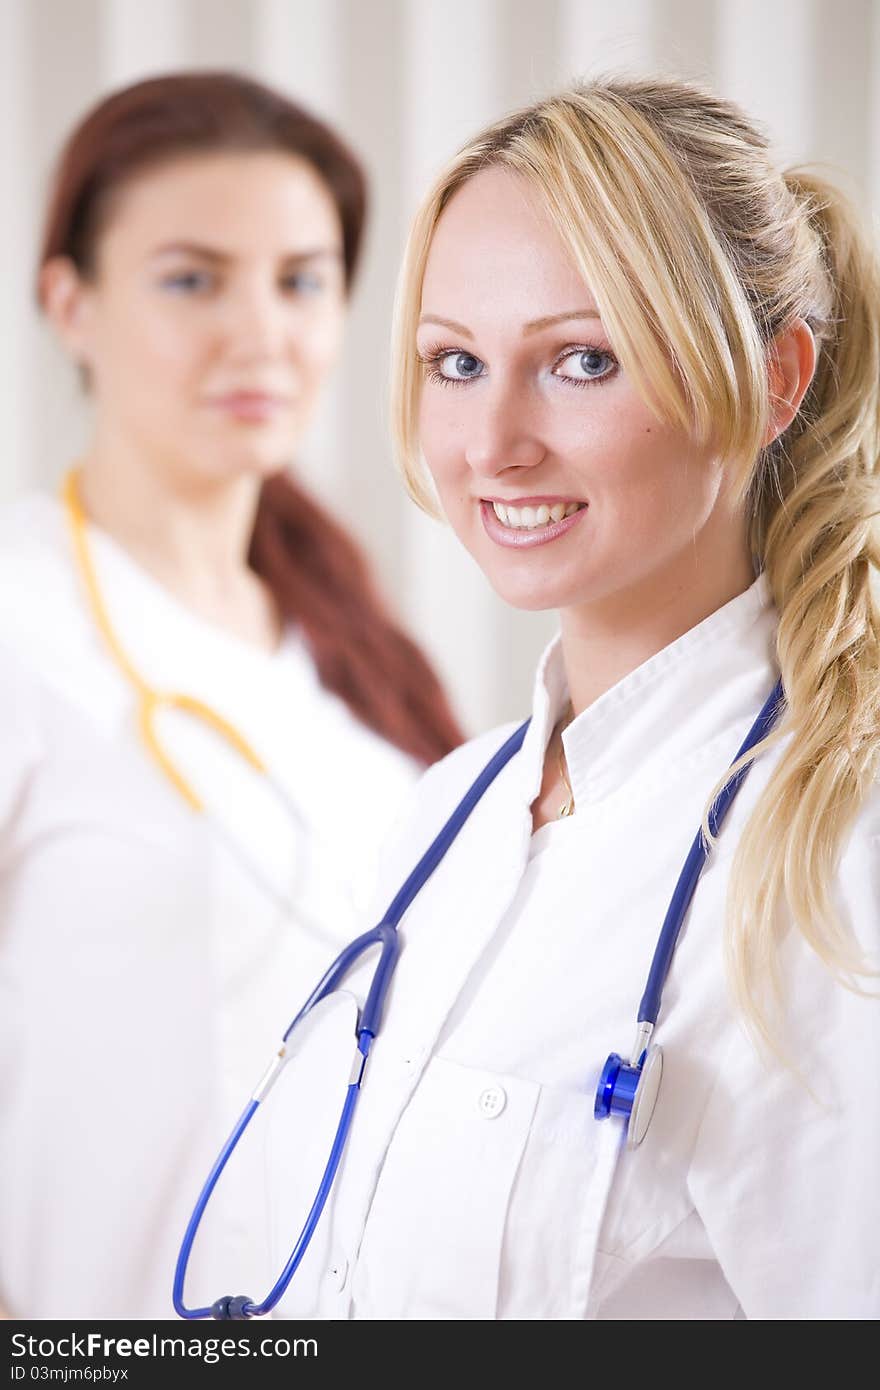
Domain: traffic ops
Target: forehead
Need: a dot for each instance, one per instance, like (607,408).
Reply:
(495,248)
(243,201)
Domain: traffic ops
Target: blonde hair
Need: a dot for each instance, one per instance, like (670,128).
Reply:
(699,252)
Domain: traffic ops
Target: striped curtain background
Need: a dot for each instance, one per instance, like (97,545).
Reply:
(406,81)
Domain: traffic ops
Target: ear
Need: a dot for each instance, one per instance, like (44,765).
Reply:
(790,367)
(66,300)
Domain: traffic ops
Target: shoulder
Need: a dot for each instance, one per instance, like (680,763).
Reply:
(35,561)
(439,790)
(435,796)
(454,773)
(31,529)
(42,618)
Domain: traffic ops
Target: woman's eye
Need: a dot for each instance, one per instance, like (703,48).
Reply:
(585,364)
(303,282)
(188,281)
(458,366)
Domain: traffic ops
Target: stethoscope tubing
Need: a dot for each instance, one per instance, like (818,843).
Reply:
(279,1288)
(150,702)
(438,847)
(649,1007)
(199,1210)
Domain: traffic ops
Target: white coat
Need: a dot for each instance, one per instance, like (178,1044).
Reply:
(477,1183)
(144,975)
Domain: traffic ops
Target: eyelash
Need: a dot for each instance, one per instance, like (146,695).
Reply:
(436,353)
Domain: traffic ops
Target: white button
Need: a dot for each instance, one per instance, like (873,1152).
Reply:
(339,1272)
(492,1101)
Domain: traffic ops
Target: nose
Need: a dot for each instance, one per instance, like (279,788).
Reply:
(502,433)
(257,320)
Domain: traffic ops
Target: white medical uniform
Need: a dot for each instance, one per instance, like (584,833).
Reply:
(146,974)
(477,1183)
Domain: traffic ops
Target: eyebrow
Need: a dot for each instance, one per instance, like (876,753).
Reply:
(212,254)
(533,326)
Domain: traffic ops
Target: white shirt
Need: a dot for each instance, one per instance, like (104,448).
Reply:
(477,1183)
(146,976)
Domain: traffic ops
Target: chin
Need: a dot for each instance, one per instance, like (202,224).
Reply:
(528,597)
(527,582)
(260,463)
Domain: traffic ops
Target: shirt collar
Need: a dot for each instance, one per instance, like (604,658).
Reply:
(694,692)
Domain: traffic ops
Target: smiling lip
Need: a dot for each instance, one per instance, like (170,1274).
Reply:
(529,501)
(519,539)
(249,405)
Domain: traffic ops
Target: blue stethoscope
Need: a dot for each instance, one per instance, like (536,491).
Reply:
(626,1088)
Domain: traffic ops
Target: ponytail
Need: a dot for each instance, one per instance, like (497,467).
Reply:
(815,530)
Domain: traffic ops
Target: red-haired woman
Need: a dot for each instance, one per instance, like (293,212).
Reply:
(211,716)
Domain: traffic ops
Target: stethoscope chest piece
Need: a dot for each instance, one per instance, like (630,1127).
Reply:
(630,1091)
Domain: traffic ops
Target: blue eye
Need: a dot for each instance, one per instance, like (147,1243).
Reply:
(585,364)
(304,282)
(187,281)
(458,366)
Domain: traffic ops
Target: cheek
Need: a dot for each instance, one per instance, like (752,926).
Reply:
(659,492)
(630,457)
(318,343)
(170,344)
(442,438)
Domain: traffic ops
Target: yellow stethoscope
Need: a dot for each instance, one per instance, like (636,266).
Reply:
(151,701)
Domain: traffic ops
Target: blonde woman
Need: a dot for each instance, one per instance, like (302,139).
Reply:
(641,366)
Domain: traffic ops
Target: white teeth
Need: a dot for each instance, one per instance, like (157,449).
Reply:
(529,518)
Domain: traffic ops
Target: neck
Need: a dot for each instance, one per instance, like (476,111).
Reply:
(192,535)
(604,641)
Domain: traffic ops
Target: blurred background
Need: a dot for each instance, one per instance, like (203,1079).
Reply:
(406,81)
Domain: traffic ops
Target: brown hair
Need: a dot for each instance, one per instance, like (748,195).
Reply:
(317,575)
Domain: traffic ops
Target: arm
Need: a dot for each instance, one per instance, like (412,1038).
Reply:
(784,1171)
